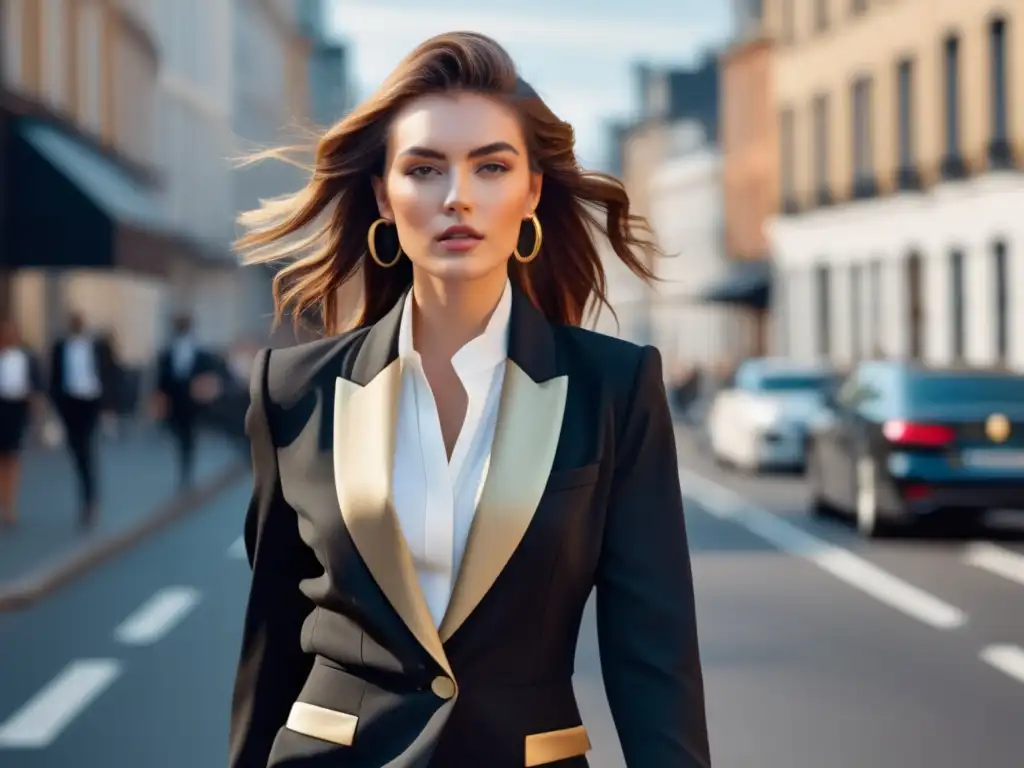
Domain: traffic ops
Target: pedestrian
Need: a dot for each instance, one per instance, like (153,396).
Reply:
(81,379)
(437,490)
(20,388)
(185,382)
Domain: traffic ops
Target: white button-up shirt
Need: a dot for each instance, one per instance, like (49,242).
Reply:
(81,369)
(435,498)
(15,374)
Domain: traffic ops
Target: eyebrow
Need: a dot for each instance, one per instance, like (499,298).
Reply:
(487,149)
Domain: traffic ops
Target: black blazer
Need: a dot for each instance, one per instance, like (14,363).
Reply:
(178,391)
(106,370)
(341,664)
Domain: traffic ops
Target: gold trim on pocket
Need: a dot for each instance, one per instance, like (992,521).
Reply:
(544,748)
(322,723)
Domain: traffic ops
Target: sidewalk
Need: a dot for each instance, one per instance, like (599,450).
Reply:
(138,493)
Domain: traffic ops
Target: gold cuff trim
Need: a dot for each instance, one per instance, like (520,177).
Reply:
(321,723)
(544,748)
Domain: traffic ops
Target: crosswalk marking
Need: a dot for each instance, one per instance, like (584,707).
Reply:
(40,722)
(157,616)
(237,549)
(1008,659)
(844,565)
(997,560)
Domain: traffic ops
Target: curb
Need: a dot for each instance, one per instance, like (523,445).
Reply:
(51,577)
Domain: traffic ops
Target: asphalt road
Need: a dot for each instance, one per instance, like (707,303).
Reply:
(820,651)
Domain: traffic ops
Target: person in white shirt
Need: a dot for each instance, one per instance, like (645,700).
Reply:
(438,489)
(81,381)
(20,388)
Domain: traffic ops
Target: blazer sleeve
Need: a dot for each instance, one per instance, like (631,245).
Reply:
(273,666)
(646,619)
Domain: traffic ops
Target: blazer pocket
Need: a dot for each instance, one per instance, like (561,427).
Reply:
(552,746)
(322,723)
(573,478)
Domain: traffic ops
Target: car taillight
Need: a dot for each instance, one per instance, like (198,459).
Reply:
(903,432)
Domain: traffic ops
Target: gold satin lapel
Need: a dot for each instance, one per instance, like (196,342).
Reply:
(525,439)
(364,450)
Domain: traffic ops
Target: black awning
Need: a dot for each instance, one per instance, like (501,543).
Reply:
(74,207)
(748,283)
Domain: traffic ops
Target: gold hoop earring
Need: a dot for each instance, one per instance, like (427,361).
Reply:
(538,238)
(371,245)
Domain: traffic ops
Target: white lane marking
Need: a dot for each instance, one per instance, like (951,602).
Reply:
(237,549)
(840,563)
(1008,659)
(42,719)
(1001,562)
(157,616)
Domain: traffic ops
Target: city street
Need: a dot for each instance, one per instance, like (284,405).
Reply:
(820,650)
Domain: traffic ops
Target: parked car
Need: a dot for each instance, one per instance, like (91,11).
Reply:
(902,443)
(761,421)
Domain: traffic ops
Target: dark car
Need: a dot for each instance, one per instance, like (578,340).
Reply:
(900,443)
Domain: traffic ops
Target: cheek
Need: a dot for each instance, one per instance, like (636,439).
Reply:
(412,201)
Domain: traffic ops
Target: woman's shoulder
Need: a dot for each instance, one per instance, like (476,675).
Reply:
(615,362)
(288,372)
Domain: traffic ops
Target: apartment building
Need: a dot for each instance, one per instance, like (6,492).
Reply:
(86,229)
(750,178)
(900,134)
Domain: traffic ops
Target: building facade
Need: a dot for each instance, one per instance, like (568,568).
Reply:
(687,215)
(900,178)
(668,98)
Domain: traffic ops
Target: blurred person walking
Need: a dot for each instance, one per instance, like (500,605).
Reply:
(81,379)
(186,380)
(21,384)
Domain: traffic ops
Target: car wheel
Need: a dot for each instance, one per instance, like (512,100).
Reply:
(866,509)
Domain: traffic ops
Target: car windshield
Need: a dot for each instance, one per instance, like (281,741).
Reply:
(794,383)
(963,387)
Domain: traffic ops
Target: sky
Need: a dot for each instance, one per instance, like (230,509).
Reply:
(578,57)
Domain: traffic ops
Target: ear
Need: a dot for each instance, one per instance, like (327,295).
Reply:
(381,193)
(533,198)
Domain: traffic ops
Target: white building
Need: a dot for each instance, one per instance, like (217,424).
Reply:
(686,202)
(937,276)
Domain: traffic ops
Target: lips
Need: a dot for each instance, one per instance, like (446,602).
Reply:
(460,232)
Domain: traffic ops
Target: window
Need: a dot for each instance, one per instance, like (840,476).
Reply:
(997,79)
(951,73)
(915,306)
(820,121)
(856,311)
(821,15)
(861,112)
(956,285)
(787,159)
(823,293)
(905,112)
(1001,278)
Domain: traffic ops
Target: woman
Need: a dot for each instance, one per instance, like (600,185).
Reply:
(438,489)
(20,383)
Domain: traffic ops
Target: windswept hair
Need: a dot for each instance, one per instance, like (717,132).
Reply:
(319,232)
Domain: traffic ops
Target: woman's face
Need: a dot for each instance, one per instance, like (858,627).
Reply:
(457,184)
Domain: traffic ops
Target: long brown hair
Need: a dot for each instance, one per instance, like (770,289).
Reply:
(320,231)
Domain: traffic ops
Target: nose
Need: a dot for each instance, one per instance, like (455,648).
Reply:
(459,197)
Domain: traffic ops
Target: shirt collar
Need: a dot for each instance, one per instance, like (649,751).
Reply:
(480,354)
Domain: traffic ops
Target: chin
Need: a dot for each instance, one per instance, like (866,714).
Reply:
(463,267)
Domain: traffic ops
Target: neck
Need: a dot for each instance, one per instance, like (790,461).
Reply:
(448,314)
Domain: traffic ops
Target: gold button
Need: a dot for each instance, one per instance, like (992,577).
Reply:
(443,687)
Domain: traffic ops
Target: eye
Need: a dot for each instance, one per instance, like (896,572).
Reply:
(421,170)
(494,168)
